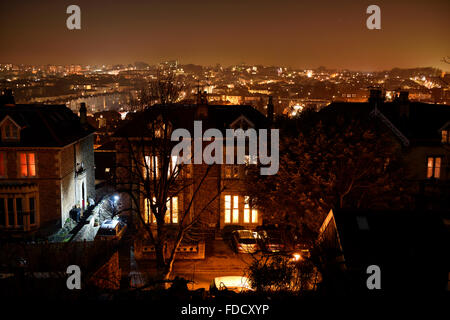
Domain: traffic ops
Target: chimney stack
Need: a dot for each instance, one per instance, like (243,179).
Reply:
(7,98)
(270,109)
(83,114)
(403,100)
(376,97)
(404,96)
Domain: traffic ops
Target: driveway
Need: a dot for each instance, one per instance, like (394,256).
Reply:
(220,261)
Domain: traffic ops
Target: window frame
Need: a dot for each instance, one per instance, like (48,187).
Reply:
(8,215)
(433,167)
(149,217)
(28,165)
(231,171)
(231,209)
(7,130)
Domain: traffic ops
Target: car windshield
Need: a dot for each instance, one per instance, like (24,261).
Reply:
(247,241)
(106,232)
(245,234)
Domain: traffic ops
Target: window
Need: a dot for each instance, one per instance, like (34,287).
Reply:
(27,164)
(172,210)
(251,159)
(250,214)
(32,211)
(11,215)
(187,168)
(434,167)
(236,209)
(231,171)
(231,209)
(19,211)
(10,131)
(171,215)
(172,165)
(148,211)
(2,212)
(151,166)
(445,136)
(13,211)
(227,209)
(2,164)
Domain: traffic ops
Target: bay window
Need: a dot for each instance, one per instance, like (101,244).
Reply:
(14,211)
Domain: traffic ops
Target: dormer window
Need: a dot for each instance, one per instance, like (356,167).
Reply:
(242,123)
(10,130)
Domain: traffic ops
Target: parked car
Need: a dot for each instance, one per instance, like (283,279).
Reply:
(230,283)
(111,230)
(270,239)
(227,231)
(245,241)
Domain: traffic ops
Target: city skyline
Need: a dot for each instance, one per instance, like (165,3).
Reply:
(293,34)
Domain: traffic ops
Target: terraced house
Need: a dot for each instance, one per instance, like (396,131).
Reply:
(46,166)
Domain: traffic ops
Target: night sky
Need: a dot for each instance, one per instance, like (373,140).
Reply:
(296,33)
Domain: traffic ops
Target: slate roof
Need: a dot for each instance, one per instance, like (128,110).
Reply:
(44,125)
(183,116)
(422,124)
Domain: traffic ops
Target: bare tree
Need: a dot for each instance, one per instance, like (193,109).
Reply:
(167,88)
(446,59)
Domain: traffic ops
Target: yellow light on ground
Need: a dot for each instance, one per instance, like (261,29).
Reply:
(297,256)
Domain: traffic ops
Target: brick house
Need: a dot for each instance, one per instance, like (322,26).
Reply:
(232,206)
(46,166)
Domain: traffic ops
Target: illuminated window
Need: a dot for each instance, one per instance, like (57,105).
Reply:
(231,171)
(246,211)
(174,209)
(187,168)
(250,213)
(227,209)
(27,164)
(2,164)
(434,167)
(148,215)
(172,165)
(445,136)
(151,166)
(235,209)
(251,159)
(171,214)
